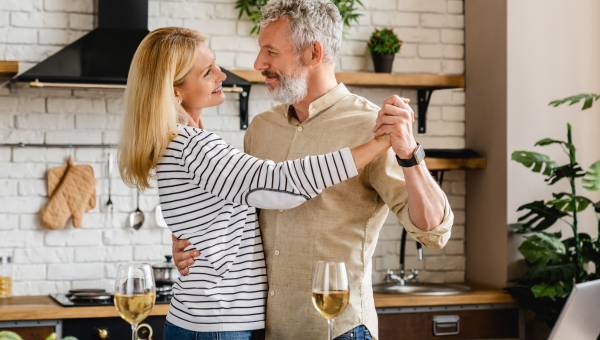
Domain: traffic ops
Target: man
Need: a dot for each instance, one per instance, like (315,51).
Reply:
(299,41)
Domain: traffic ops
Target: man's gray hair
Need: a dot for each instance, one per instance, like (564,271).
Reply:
(311,20)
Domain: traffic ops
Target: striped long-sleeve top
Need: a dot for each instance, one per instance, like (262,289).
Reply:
(208,193)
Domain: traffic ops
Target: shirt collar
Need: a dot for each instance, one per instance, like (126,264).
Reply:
(321,104)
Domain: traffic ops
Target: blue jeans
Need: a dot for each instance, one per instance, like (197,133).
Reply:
(173,332)
(358,333)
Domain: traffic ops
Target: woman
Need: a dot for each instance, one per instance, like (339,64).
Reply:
(209,190)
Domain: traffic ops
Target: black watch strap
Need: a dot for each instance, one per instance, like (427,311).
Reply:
(416,159)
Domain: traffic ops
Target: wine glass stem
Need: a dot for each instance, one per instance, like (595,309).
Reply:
(330,324)
(134,327)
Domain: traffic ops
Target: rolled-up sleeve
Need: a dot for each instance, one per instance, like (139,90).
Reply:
(387,178)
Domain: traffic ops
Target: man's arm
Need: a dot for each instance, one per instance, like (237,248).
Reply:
(426,201)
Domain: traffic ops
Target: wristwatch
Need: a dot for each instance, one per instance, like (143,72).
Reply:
(416,159)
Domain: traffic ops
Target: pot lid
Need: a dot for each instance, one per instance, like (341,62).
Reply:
(168,264)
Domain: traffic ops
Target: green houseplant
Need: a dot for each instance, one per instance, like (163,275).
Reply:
(383,46)
(555,265)
(252,8)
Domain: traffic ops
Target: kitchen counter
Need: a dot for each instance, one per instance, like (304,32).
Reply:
(43,307)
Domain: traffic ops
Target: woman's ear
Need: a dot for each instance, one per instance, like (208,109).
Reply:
(316,53)
(178,95)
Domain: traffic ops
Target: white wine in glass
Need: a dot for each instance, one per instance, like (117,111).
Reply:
(135,293)
(330,291)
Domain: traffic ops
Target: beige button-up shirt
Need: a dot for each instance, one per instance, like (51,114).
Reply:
(341,224)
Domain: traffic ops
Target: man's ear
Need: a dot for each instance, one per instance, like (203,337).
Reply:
(316,55)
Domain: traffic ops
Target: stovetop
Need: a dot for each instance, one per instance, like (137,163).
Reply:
(65,301)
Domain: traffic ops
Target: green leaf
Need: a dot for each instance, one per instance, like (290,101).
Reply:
(566,171)
(538,161)
(539,214)
(561,272)
(588,98)
(548,141)
(564,201)
(554,289)
(541,249)
(592,179)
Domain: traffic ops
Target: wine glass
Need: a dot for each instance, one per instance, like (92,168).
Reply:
(135,293)
(330,292)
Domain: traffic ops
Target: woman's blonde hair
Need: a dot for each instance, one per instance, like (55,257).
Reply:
(162,61)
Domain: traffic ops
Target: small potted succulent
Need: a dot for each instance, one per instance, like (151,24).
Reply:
(383,45)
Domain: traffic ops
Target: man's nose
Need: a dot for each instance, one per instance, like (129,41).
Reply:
(259,63)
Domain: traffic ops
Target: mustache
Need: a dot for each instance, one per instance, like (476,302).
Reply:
(270,74)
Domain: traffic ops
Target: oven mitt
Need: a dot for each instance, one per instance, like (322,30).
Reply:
(71,197)
(55,175)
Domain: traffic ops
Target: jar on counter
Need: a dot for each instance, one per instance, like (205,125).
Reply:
(6,275)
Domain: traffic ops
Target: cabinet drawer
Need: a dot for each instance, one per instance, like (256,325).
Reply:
(469,324)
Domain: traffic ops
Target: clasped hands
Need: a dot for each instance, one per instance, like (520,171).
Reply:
(396,118)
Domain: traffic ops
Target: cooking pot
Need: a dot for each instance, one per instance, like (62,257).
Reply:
(165,273)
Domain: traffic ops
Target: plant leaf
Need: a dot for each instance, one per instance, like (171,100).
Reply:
(538,161)
(548,141)
(539,214)
(554,289)
(564,201)
(588,98)
(592,179)
(541,249)
(548,273)
(565,171)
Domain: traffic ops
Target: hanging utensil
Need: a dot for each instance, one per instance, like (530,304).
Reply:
(109,203)
(136,218)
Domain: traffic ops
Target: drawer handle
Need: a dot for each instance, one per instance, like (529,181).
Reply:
(445,321)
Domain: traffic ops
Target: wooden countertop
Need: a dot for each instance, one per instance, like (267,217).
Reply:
(43,307)
(413,81)
(478,296)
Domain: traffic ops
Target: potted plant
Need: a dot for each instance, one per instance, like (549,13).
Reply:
(555,265)
(383,46)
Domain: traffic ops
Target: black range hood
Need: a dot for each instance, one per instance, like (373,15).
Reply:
(101,58)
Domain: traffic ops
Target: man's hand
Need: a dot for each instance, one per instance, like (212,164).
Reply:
(183,259)
(396,118)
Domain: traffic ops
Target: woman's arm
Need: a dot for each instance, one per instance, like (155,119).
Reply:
(222,170)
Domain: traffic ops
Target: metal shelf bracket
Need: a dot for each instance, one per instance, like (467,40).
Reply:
(244,96)
(423,96)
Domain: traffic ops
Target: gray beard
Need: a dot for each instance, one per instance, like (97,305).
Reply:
(290,90)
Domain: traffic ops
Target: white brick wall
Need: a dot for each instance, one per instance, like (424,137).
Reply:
(55,261)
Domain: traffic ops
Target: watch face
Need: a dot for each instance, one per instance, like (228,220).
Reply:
(419,154)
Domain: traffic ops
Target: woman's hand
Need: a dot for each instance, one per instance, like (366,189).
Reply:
(183,259)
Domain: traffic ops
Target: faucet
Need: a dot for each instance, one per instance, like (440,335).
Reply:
(403,279)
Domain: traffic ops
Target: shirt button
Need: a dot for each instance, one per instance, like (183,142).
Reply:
(280,210)
(276,252)
(272,292)
(299,128)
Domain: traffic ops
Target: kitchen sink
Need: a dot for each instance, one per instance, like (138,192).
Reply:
(421,289)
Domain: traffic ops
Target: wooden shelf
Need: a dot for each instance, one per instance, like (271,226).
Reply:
(413,81)
(9,68)
(455,163)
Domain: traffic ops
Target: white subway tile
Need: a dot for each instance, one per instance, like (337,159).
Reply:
(9,221)
(119,253)
(453,113)
(73,137)
(30,272)
(8,188)
(54,37)
(75,271)
(44,255)
(455,67)
(90,254)
(18,35)
(445,263)
(32,187)
(151,253)
(452,36)
(82,6)
(45,121)
(30,222)
(422,5)
(22,288)
(76,105)
(73,237)
(391,19)
(28,54)
(455,276)
(19,238)
(119,237)
(22,170)
(455,247)
(455,6)
(212,27)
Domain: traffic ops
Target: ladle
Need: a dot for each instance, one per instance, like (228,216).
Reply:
(136,218)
